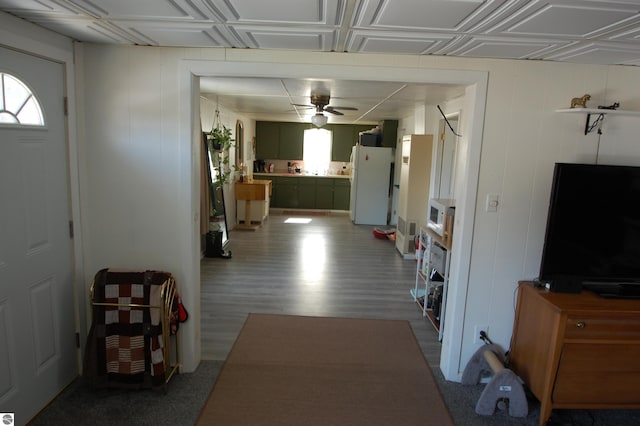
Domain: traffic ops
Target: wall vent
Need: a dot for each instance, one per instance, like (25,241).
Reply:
(412,228)
(406,228)
(407,231)
(410,236)
(402,224)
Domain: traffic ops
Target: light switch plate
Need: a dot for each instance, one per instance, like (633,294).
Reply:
(493,200)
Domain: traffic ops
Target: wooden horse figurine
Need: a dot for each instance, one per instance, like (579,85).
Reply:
(580,102)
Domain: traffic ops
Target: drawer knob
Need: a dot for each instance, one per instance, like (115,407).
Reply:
(580,324)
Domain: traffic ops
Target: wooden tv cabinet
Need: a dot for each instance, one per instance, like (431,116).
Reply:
(577,351)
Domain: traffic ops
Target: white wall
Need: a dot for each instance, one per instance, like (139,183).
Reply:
(136,153)
(523,139)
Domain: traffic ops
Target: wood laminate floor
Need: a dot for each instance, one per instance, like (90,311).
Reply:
(328,267)
(331,267)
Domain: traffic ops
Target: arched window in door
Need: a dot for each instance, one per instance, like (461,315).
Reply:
(18,104)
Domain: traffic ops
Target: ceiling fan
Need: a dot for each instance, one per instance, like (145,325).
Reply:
(321,105)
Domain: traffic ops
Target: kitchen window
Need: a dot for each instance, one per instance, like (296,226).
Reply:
(316,151)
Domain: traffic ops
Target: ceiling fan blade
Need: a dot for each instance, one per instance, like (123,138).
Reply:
(332,111)
(347,108)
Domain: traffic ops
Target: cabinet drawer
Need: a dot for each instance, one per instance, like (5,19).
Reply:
(598,374)
(603,328)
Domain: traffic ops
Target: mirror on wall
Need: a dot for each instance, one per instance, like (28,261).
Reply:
(239,145)
(218,235)
(446,160)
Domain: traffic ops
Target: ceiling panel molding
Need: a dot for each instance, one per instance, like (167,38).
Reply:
(598,53)
(426,15)
(452,45)
(395,43)
(593,31)
(494,16)
(178,34)
(287,38)
(567,19)
(126,32)
(147,10)
(627,34)
(288,12)
(140,9)
(88,30)
(503,48)
(39,7)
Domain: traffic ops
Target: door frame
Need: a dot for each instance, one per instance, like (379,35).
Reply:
(28,39)
(476,86)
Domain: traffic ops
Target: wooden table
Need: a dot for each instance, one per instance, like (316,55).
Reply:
(577,351)
(256,190)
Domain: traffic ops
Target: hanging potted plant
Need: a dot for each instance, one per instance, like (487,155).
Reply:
(221,137)
(221,140)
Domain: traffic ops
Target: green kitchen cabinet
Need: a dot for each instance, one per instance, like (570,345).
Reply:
(280,190)
(291,141)
(267,140)
(345,136)
(343,140)
(288,193)
(302,192)
(285,141)
(307,193)
(341,194)
(357,128)
(389,133)
(324,193)
(274,187)
(279,140)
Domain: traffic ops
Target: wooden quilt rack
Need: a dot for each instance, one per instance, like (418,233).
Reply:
(130,341)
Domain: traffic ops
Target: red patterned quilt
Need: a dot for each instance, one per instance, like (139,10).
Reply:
(125,343)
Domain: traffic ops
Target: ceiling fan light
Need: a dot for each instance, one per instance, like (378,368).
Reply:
(319,120)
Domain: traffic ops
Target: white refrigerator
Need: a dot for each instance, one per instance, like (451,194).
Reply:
(370,180)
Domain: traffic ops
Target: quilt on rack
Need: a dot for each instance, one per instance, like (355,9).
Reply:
(125,344)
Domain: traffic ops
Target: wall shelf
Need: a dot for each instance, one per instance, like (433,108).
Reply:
(598,111)
(601,112)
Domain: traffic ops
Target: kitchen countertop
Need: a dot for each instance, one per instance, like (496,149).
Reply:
(257,182)
(302,175)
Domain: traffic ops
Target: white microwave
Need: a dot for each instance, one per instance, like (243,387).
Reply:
(441,210)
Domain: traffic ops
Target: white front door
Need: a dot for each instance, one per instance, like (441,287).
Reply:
(38,354)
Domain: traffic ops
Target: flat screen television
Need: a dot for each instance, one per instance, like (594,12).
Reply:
(593,228)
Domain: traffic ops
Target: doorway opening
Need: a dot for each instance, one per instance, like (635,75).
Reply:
(473,105)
